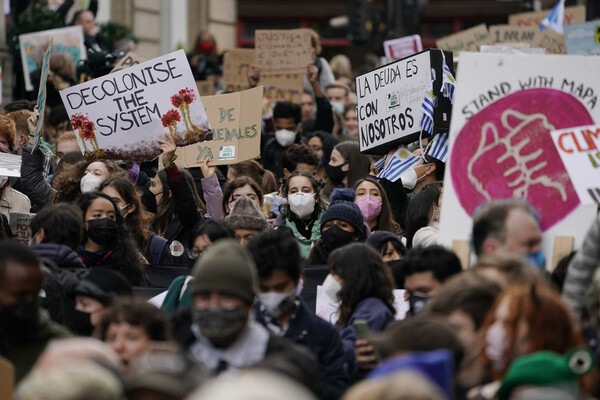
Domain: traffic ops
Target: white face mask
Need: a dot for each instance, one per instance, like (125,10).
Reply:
(409,177)
(331,288)
(337,107)
(285,137)
(276,304)
(302,204)
(89,182)
(495,346)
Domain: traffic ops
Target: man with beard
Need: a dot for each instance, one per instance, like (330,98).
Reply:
(25,328)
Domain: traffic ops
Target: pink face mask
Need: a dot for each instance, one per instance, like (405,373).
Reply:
(369,206)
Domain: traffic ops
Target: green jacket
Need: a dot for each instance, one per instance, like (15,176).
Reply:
(306,244)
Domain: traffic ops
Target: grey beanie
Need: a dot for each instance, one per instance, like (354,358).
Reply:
(246,215)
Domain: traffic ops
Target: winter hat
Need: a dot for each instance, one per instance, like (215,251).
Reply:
(426,236)
(437,365)
(103,285)
(226,268)
(380,238)
(546,368)
(245,215)
(344,208)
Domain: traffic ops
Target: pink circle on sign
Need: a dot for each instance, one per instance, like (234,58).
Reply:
(506,151)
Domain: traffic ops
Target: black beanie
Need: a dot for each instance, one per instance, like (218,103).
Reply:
(103,285)
(344,208)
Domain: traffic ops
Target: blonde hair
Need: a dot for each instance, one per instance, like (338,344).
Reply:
(402,385)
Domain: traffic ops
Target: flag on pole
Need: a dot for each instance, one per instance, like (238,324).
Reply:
(402,160)
(438,148)
(427,106)
(448,82)
(556,19)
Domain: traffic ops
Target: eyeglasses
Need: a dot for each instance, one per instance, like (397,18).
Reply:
(194,253)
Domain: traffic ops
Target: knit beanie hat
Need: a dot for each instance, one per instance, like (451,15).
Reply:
(246,215)
(226,268)
(344,208)
(546,368)
(103,285)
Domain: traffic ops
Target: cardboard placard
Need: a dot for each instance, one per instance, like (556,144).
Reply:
(121,115)
(205,88)
(10,165)
(573,15)
(283,51)
(467,40)
(41,97)
(20,224)
(390,98)
(552,41)
(236,122)
(283,87)
(129,60)
(500,142)
(512,34)
(583,39)
(396,49)
(236,64)
(33,46)
(579,150)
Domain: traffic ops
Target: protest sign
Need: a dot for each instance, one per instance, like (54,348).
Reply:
(10,165)
(390,98)
(573,15)
(512,34)
(283,87)
(121,115)
(396,49)
(236,64)
(552,41)
(41,98)
(283,51)
(579,150)
(20,226)
(68,41)
(469,39)
(129,60)
(235,119)
(205,88)
(583,39)
(500,142)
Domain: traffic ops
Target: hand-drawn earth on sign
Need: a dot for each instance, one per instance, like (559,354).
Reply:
(506,151)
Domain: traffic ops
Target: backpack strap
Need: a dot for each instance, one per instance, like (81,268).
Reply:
(157,245)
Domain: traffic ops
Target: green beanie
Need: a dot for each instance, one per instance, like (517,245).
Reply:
(546,368)
(226,268)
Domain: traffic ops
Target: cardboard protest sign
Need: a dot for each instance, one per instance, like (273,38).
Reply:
(205,88)
(583,39)
(68,41)
(20,224)
(283,51)
(396,49)
(235,119)
(283,87)
(129,60)
(41,98)
(236,64)
(552,41)
(500,142)
(573,15)
(121,115)
(469,39)
(512,34)
(579,150)
(390,98)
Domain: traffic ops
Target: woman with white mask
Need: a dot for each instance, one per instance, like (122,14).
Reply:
(83,177)
(304,208)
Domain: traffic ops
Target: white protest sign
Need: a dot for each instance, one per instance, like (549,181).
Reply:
(329,311)
(20,224)
(123,114)
(500,142)
(10,165)
(579,150)
(583,39)
(396,49)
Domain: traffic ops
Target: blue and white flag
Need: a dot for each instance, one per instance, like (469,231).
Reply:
(381,163)
(448,81)
(427,106)
(556,19)
(402,160)
(438,148)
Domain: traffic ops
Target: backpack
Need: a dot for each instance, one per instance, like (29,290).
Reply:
(56,297)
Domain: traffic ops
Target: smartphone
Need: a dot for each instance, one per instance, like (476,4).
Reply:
(362,332)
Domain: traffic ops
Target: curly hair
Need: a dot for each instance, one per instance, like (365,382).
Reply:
(67,183)
(317,186)
(364,275)
(136,312)
(127,261)
(385,219)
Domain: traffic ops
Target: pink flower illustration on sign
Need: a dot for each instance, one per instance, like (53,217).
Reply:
(506,151)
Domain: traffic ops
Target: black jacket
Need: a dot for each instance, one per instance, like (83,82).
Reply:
(273,154)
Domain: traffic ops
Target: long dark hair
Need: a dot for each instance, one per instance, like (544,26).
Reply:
(320,205)
(385,219)
(359,164)
(127,260)
(420,208)
(364,275)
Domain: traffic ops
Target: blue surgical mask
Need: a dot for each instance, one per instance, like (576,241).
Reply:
(537,259)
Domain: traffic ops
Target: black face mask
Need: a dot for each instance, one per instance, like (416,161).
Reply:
(335,174)
(149,201)
(336,237)
(102,230)
(220,325)
(20,320)
(417,303)
(81,323)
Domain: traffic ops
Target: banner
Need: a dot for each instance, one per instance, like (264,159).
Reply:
(396,49)
(20,224)
(283,51)
(469,39)
(41,97)
(121,115)
(33,46)
(573,15)
(500,142)
(129,60)
(579,150)
(583,39)
(235,119)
